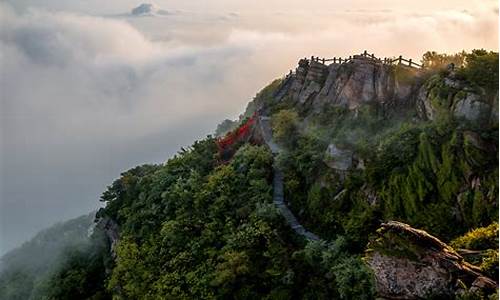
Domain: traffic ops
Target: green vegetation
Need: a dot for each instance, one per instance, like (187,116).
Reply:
(419,173)
(476,296)
(58,263)
(489,263)
(425,190)
(81,276)
(478,239)
(265,98)
(434,60)
(434,175)
(483,238)
(481,69)
(201,231)
(285,126)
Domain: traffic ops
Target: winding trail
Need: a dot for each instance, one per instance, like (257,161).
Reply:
(278,198)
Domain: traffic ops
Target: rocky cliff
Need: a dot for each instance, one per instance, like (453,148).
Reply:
(362,80)
(450,93)
(411,264)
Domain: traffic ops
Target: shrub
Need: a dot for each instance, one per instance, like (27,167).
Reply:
(489,265)
(478,239)
(285,124)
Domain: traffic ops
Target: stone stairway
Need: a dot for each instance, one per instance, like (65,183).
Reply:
(278,198)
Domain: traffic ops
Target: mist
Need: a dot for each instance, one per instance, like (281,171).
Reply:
(88,90)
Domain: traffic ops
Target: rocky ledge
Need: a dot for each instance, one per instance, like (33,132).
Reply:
(362,80)
(411,264)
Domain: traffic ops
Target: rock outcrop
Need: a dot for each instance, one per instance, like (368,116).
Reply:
(471,107)
(110,229)
(446,93)
(411,264)
(361,80)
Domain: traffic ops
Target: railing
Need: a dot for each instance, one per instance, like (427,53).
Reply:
(335,60)
(387,61)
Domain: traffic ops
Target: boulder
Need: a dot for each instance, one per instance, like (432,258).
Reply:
(471,108)
(408,263)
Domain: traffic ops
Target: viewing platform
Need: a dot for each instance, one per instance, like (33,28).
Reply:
(365,56)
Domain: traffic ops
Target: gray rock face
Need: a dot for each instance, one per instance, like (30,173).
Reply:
(471,108)
(339,159)
(364,80)
(425,108)
(351,84)
(310,78)
(453,95)
(111,230)
(411,264)
(402,279)
(311,89)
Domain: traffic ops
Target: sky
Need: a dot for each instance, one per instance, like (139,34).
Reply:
(88,90)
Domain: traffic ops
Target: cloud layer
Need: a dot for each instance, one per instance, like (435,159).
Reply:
(85,97)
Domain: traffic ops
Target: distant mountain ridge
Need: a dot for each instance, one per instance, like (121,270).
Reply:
(36,260)
(148,9)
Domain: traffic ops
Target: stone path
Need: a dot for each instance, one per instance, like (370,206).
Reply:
(278,198)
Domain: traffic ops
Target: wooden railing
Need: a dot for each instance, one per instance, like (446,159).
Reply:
(342,60)
(387,61)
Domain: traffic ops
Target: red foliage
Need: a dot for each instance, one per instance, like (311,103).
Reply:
(237,135)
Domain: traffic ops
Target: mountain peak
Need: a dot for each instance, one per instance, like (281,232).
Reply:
(147,9)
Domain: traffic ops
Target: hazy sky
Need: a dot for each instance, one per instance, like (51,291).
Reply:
(88,91)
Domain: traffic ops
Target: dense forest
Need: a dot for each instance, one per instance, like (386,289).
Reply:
(201,226)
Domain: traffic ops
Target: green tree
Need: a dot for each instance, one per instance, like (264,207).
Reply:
(481,69)
(285,125)
(434,60)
